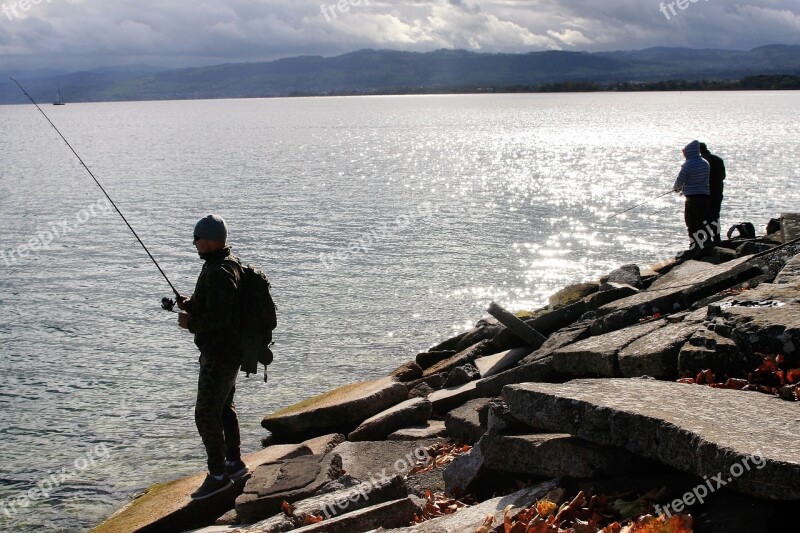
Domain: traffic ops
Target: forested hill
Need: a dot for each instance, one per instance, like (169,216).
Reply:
(387,71)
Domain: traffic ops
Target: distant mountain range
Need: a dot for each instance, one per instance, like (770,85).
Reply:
(388,71)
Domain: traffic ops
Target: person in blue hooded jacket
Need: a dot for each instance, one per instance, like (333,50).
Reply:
(693,183)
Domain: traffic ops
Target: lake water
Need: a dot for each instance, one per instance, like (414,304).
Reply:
(386,224)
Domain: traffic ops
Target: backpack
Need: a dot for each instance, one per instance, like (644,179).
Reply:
(256,317)
(746,230)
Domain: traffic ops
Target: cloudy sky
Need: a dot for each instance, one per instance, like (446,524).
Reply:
(78,34)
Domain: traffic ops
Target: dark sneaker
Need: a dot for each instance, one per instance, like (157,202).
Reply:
(211,487)
(236,470)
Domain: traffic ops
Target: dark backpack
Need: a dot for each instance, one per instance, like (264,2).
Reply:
(256,316)
(746,230)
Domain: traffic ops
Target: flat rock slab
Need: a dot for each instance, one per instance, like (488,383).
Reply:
(273,483)
(704,431)
(407,413)
(333,504)
(469,519)
(168,506)
(553,455)
(390,514)
(540,371)
(656,354)
(342,408)
(494,364)
(447,399)
(682,286)
(429,430)
(460,359)
(371,461)
(597,356)
(464,423)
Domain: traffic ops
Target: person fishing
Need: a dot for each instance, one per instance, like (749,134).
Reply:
(716,186)
(209,315)
(693,183)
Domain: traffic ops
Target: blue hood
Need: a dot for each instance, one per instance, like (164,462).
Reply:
(692,149)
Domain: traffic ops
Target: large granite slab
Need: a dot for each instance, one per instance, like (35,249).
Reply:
(407,413)
(273,483)
(683,285)
(656,354)
(341,409)
(597,356)
(169,507)
(554,455)
(701,430)
(333,504)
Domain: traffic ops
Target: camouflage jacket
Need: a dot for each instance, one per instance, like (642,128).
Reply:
(212,305)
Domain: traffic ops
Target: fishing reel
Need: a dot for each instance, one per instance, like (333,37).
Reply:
(168,304)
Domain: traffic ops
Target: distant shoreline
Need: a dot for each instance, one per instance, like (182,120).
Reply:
(749,83)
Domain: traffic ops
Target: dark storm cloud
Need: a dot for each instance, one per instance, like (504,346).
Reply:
(84,33)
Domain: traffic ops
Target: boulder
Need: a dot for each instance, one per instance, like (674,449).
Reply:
(429,430)
(169,507)
(461,358)
(573,294)
(407,372)
(745,440)
(626,275)
(430,358)
(341,409)
(656,354)
(462,374)
(333,504)
(470,519)
(464,423)
(404,414)
(553,455)
(420,391)
(434,381)
(390,514)
(597,356)
(291,480)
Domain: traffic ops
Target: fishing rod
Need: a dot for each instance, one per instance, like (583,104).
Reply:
(164,302)
(640,205)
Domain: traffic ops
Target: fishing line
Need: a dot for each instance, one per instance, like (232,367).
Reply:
(640,205)
(177,294)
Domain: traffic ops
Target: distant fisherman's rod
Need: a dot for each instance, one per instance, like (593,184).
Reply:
(639,205)
(177,294)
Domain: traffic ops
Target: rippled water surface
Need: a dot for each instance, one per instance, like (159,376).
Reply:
(385,223)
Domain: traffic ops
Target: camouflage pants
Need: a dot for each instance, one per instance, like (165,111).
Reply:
(215,412)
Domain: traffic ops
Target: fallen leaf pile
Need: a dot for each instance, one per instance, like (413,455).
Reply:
(582,514)
(437,505)
(773,376)
(441,454)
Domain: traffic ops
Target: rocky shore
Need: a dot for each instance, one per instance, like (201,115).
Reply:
(653,399)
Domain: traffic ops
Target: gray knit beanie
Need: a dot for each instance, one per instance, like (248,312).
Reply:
(212,227)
